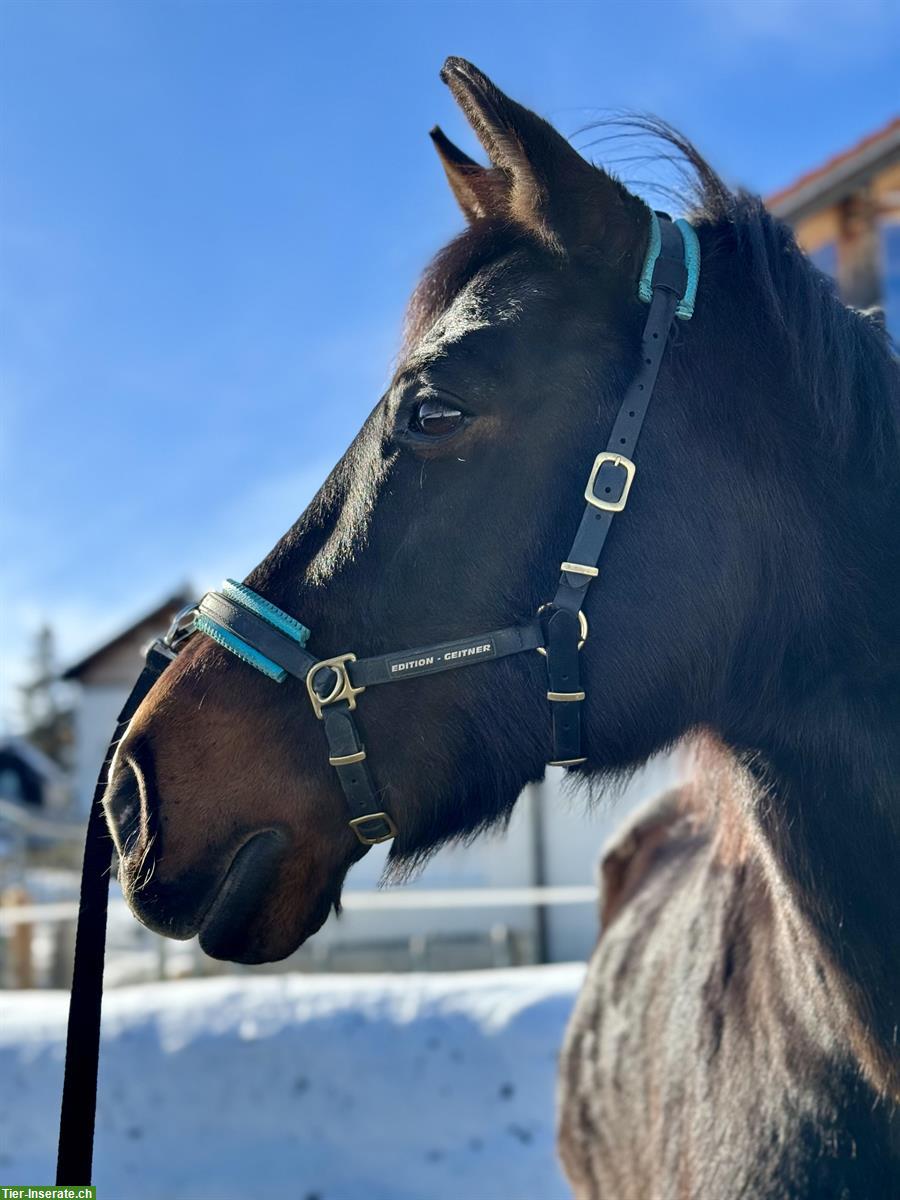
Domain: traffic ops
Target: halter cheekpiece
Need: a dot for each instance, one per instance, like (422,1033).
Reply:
(274,643)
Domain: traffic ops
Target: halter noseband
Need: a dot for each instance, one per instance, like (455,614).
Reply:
(274,642)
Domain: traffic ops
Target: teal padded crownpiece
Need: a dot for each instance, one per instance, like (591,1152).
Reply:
(654,246)
(685,307)
(246,653)
(247,598)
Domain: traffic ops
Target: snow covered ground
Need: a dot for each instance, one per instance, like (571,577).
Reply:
(405,1087)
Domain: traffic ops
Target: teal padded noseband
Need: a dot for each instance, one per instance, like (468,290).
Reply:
(685,307)
(240,594)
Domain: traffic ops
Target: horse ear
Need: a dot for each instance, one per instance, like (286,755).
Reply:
(550,188)
(479,191)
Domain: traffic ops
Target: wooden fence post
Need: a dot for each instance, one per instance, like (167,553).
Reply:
(21,958)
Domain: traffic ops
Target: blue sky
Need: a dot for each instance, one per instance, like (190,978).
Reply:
(212,214)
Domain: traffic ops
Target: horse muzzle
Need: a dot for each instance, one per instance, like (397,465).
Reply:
(219,899)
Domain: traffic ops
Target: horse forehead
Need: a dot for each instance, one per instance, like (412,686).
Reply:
(497,295)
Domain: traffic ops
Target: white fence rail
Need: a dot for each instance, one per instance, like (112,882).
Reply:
(37,939)
(364,901)
(37,825)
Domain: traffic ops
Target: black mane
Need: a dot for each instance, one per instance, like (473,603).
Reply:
(838,357)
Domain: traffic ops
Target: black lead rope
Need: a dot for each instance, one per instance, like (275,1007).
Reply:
(79,1097)
(274,642)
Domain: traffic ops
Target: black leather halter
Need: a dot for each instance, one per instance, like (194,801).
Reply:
(558,631)
(274,642)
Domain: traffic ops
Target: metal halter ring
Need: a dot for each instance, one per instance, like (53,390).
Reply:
(343,689)
(582,628)
(180,629)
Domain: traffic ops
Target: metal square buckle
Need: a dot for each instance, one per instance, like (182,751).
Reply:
(618,460)
(343,689)
(358,824)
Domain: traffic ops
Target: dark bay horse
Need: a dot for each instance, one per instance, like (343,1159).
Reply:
(738,1032)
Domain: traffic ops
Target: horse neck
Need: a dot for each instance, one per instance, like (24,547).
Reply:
(814,710)
(828,804)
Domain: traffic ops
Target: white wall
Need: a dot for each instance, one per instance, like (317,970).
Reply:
(494,860)
(574,835)
(96,711)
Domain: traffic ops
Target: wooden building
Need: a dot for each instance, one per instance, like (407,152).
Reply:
(846,214)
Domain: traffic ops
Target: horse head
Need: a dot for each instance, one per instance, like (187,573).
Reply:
(450,513)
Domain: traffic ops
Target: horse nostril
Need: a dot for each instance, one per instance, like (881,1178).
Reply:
(122,804)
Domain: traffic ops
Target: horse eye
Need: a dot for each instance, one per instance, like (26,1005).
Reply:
(436,418)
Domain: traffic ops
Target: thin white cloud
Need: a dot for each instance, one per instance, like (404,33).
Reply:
(815,27)
(253,523)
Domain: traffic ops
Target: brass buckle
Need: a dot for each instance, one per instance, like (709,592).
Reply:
(582,629)
(618,460)
(343,688)
(358,822)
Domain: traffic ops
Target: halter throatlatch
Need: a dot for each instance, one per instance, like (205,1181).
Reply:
(274,643)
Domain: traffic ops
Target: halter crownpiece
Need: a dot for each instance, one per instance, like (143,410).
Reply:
(684,309)
(274,643)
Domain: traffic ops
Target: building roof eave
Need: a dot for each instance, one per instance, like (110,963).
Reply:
(839,176)
(158,615)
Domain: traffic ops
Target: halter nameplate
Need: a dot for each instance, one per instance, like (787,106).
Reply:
(427,663)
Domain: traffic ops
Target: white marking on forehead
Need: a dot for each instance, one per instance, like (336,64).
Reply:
(477,306)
